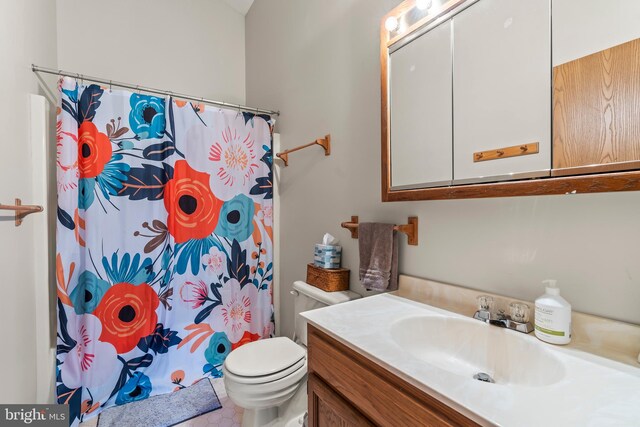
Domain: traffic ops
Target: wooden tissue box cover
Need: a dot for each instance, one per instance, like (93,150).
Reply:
(328,280)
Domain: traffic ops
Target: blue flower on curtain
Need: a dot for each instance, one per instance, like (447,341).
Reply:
(218,350)
(138,387)
(87,295)
(236,218)
(147,118)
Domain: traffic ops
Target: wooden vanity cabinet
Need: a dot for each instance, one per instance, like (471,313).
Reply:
(346,388)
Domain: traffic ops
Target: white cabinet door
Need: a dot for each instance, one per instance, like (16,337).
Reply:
(502,88)
(420,99)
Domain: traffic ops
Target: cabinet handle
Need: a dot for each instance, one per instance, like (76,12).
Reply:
(506,152)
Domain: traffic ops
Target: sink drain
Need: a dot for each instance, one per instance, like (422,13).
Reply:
(481,376)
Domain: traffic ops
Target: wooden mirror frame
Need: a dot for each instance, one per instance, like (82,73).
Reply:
(593,183)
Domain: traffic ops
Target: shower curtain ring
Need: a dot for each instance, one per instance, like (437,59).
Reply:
(138,89)
(110,86)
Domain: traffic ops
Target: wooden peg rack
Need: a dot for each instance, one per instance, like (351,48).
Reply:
(506,152)
(410,229)
(323,142)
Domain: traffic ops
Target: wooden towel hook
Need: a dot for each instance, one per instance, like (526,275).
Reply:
(410,229)
(323,142)
(20,210)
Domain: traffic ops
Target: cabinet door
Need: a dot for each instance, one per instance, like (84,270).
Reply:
(596,104)
(328,409)
(420,99)
(502,90)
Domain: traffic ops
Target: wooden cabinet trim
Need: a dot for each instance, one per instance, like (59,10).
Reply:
(608,182)
(380,395)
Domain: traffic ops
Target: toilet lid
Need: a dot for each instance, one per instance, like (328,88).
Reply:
(264,357)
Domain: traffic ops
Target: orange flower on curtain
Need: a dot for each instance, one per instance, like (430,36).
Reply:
(94,150)
(127,313)
(192,207)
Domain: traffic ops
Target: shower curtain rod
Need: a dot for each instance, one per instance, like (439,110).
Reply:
(38,69)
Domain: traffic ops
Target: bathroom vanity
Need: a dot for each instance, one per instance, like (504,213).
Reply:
(394,360)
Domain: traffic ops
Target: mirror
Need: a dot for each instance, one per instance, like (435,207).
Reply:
(420,81)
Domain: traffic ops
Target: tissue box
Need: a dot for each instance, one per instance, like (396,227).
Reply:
(328,280)
(327,256)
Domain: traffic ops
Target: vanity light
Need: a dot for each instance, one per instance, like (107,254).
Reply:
(423,4)
(391,23)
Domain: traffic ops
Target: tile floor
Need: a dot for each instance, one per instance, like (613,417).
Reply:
(227,416)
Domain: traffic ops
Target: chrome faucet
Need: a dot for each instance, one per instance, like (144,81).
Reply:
(518,320)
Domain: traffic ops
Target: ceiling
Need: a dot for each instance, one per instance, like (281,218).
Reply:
(241,6)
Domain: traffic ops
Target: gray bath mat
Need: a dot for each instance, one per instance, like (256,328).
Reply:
(165,409)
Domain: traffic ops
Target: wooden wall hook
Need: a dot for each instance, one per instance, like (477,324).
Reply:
(20,210)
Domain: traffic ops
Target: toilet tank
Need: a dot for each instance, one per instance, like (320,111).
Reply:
(307,297)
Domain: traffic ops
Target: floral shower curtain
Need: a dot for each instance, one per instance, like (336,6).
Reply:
(164,243)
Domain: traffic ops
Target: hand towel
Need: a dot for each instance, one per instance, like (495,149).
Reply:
(378,246)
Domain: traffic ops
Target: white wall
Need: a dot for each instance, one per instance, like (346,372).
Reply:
(189,46)
(27,34)
(318,62)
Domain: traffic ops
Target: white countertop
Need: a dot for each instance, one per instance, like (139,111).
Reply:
(593,392)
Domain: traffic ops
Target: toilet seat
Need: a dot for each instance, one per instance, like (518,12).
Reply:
(262,379)
(268,390)
(264,358)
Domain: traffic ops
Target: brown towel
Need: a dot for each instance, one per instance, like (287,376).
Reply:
(378,256)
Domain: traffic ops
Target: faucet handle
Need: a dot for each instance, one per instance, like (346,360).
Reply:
(519,312)
(485,302)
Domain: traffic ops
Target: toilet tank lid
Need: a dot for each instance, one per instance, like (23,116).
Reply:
(324,297)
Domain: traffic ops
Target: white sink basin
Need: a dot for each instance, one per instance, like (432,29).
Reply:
(467,347)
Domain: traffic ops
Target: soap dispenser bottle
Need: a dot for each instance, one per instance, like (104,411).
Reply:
(553,316)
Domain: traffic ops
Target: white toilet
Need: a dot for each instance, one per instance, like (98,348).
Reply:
(268,377)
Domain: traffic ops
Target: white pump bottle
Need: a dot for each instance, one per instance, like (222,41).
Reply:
(553,316)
